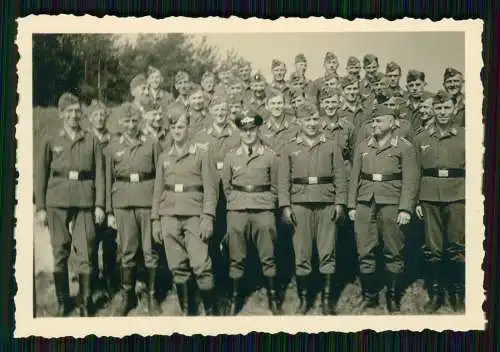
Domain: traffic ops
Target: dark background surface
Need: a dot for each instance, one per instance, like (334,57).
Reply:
(367,340)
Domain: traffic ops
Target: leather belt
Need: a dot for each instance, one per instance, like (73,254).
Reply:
(252,188)
(381,177)
(181,188)
(312,180)
(136,177)
(444,173)
(74,175)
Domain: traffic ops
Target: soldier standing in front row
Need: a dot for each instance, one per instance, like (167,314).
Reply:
(441,149)
(130,172)
(70,189)
(312,191)
(249,184)
(184,201)
(382,197)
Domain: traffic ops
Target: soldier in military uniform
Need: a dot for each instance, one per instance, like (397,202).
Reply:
(245,73)
(257,102)
(249,184)
(70,189)
(312,191)
(300,70)
(153,124)
(278,70)
(235,107)
(130,172)
(224,74)
(138,90)
(235,86)
(354,108)
(393,75)
(382,196)
(453,82)
(425,116)
(208,85)
(441,150)
(183,86)
(198,114)
(158,95)
(370,66)
(415,83)
(184,201)
(353,67)
(98,115)
(331,64)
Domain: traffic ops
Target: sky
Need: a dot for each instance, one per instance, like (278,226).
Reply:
(430,52)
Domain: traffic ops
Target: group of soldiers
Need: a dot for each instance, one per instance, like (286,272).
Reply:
(240,163)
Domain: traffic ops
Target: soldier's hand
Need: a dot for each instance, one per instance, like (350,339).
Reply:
(156,231)
(42,217)
(206,228)
(338,213)
(403,218)
(352,214)
(289,216)
(100,215)
(419,212)
(112,221)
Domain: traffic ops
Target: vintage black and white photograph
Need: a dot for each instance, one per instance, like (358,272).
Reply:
(237,174)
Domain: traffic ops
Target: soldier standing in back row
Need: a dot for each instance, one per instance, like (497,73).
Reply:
(130,172)
(382,197)
(158,95)
(453,82)
(331,65)
(393,75)
(312,191)
(70,189)
(441,149)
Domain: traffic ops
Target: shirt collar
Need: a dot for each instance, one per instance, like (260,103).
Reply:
(78,134)
(258,149)
(283,123)
(102,137)
(432,129)
(321,139)
(372,142)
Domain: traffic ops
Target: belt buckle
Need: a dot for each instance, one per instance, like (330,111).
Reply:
(377,177)
(220,165)
(178,188)
(249,188)
(443,173)
(134,177)
(312,180)
(73,175)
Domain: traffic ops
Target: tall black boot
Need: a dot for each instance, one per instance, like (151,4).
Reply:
(302,291)
(86,304)
(153,307)
(327,306)
(182,295)
(369,291)
(394,292)
(208,297)
(457,286)
(126,298)
(435,288)
(61,283)
(272,295)
(235,296)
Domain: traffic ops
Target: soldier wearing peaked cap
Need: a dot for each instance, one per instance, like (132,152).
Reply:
(70,189)
(130,171)
(183,210)
(453,82)
(353,67)
(154,92)
(312,193)
(382,197)
(393,75)
(98,115)
(249,184)
(139,91)
(441,149)
(331,65)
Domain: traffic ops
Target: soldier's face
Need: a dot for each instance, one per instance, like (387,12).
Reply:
(179,130)
(234,109)
(393,78)
(371,68)
(330,105)
(425,110)
(279,72)
(249,136)
(208,84)
(332,83)
(353,70)
(154,119)
(351,92)
(71,115)
(453,85)
(310,125)
(182,86)
(296,84)
(391,103)
(443,112)
(415,88)
(219,112)
(130,125)
(301,68)
(379,86)
(224,76)
(98,119)
(236,89)
(331,65)
(244,72)
(275,105)
(258,88)
(155,79)
(298,100)
(139,91)
(382,125)
(196,101)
